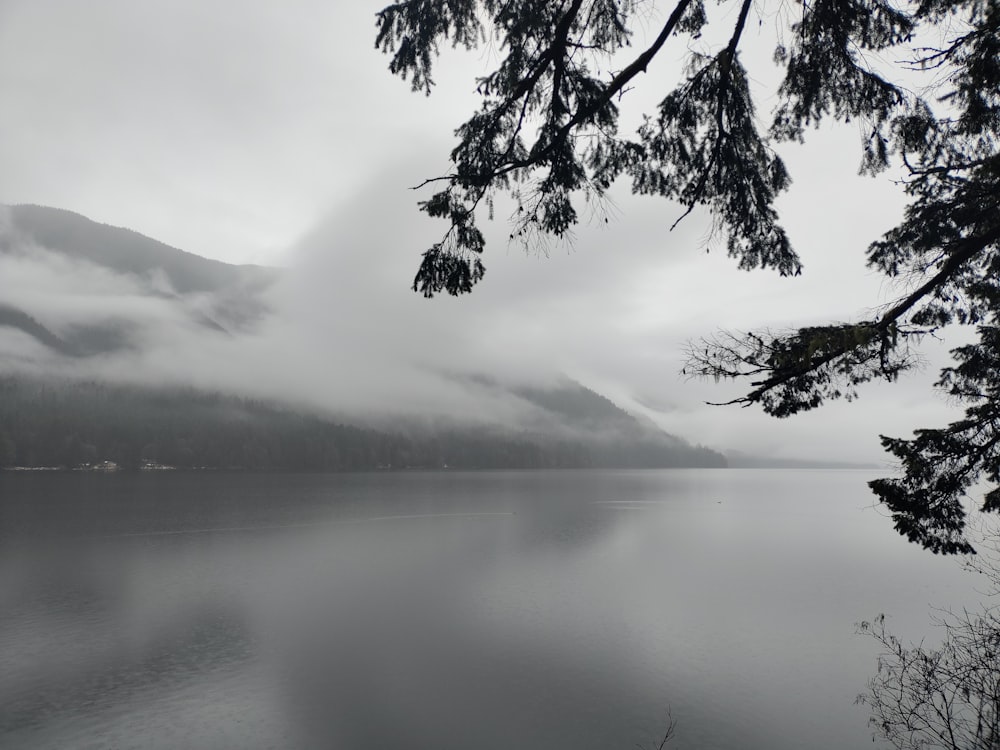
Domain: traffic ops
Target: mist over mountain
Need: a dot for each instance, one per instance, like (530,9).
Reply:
(114,346)
(39,246)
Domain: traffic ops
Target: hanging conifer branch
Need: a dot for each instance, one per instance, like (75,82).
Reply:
(702,147)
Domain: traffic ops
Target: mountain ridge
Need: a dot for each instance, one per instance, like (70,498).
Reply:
(125,250)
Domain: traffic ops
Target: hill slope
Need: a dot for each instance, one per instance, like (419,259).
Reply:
(126,251)
(210,294)
(63,423)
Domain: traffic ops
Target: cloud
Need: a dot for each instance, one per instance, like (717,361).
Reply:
(221,128)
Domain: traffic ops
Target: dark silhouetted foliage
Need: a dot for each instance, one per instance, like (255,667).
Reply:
(946,695)
(547,134)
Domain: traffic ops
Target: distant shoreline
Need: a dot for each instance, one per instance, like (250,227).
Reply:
(804,466)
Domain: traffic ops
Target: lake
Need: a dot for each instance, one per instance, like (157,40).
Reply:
(575,609)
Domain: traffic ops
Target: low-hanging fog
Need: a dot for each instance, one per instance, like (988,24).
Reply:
(340,331)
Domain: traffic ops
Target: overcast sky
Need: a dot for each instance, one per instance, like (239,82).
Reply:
(267,132)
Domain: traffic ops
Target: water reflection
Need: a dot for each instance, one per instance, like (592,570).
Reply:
(446,610)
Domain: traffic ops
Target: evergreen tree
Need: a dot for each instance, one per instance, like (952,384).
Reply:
(547,134)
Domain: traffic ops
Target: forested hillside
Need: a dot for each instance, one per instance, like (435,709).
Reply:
(64,423)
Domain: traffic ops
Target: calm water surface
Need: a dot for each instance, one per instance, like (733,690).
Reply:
(449,610)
